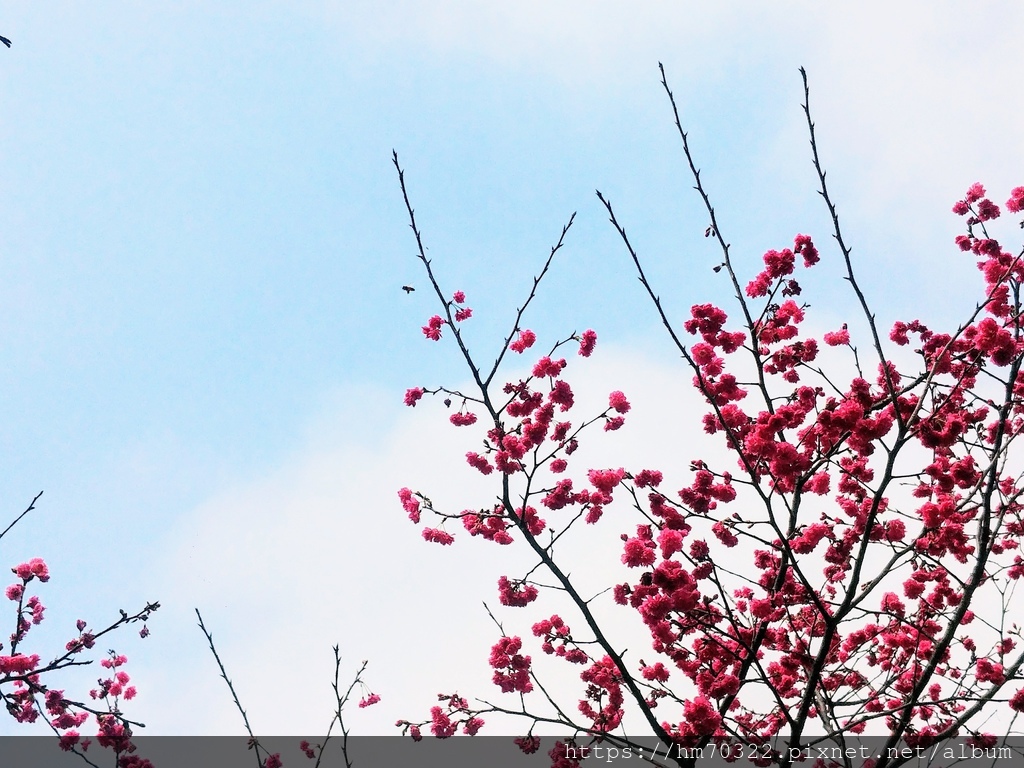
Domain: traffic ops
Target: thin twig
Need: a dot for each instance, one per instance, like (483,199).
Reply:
(253,741)
(31,506)
(843,247)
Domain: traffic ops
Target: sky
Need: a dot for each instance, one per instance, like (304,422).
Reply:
(204,338)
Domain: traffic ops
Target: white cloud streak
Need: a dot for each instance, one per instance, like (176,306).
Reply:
(320,552)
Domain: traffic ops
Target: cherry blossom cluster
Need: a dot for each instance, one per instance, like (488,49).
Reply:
(533,440)
(30,694)
(457,312)
(602,705)
(557,640)
(445,721)
(511,668)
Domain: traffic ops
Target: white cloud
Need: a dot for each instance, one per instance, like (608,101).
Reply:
(319,552)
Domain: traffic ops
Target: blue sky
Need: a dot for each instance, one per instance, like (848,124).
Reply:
(202,330)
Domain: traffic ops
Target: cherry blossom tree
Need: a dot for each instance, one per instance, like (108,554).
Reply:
(28,683)
(850,571)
